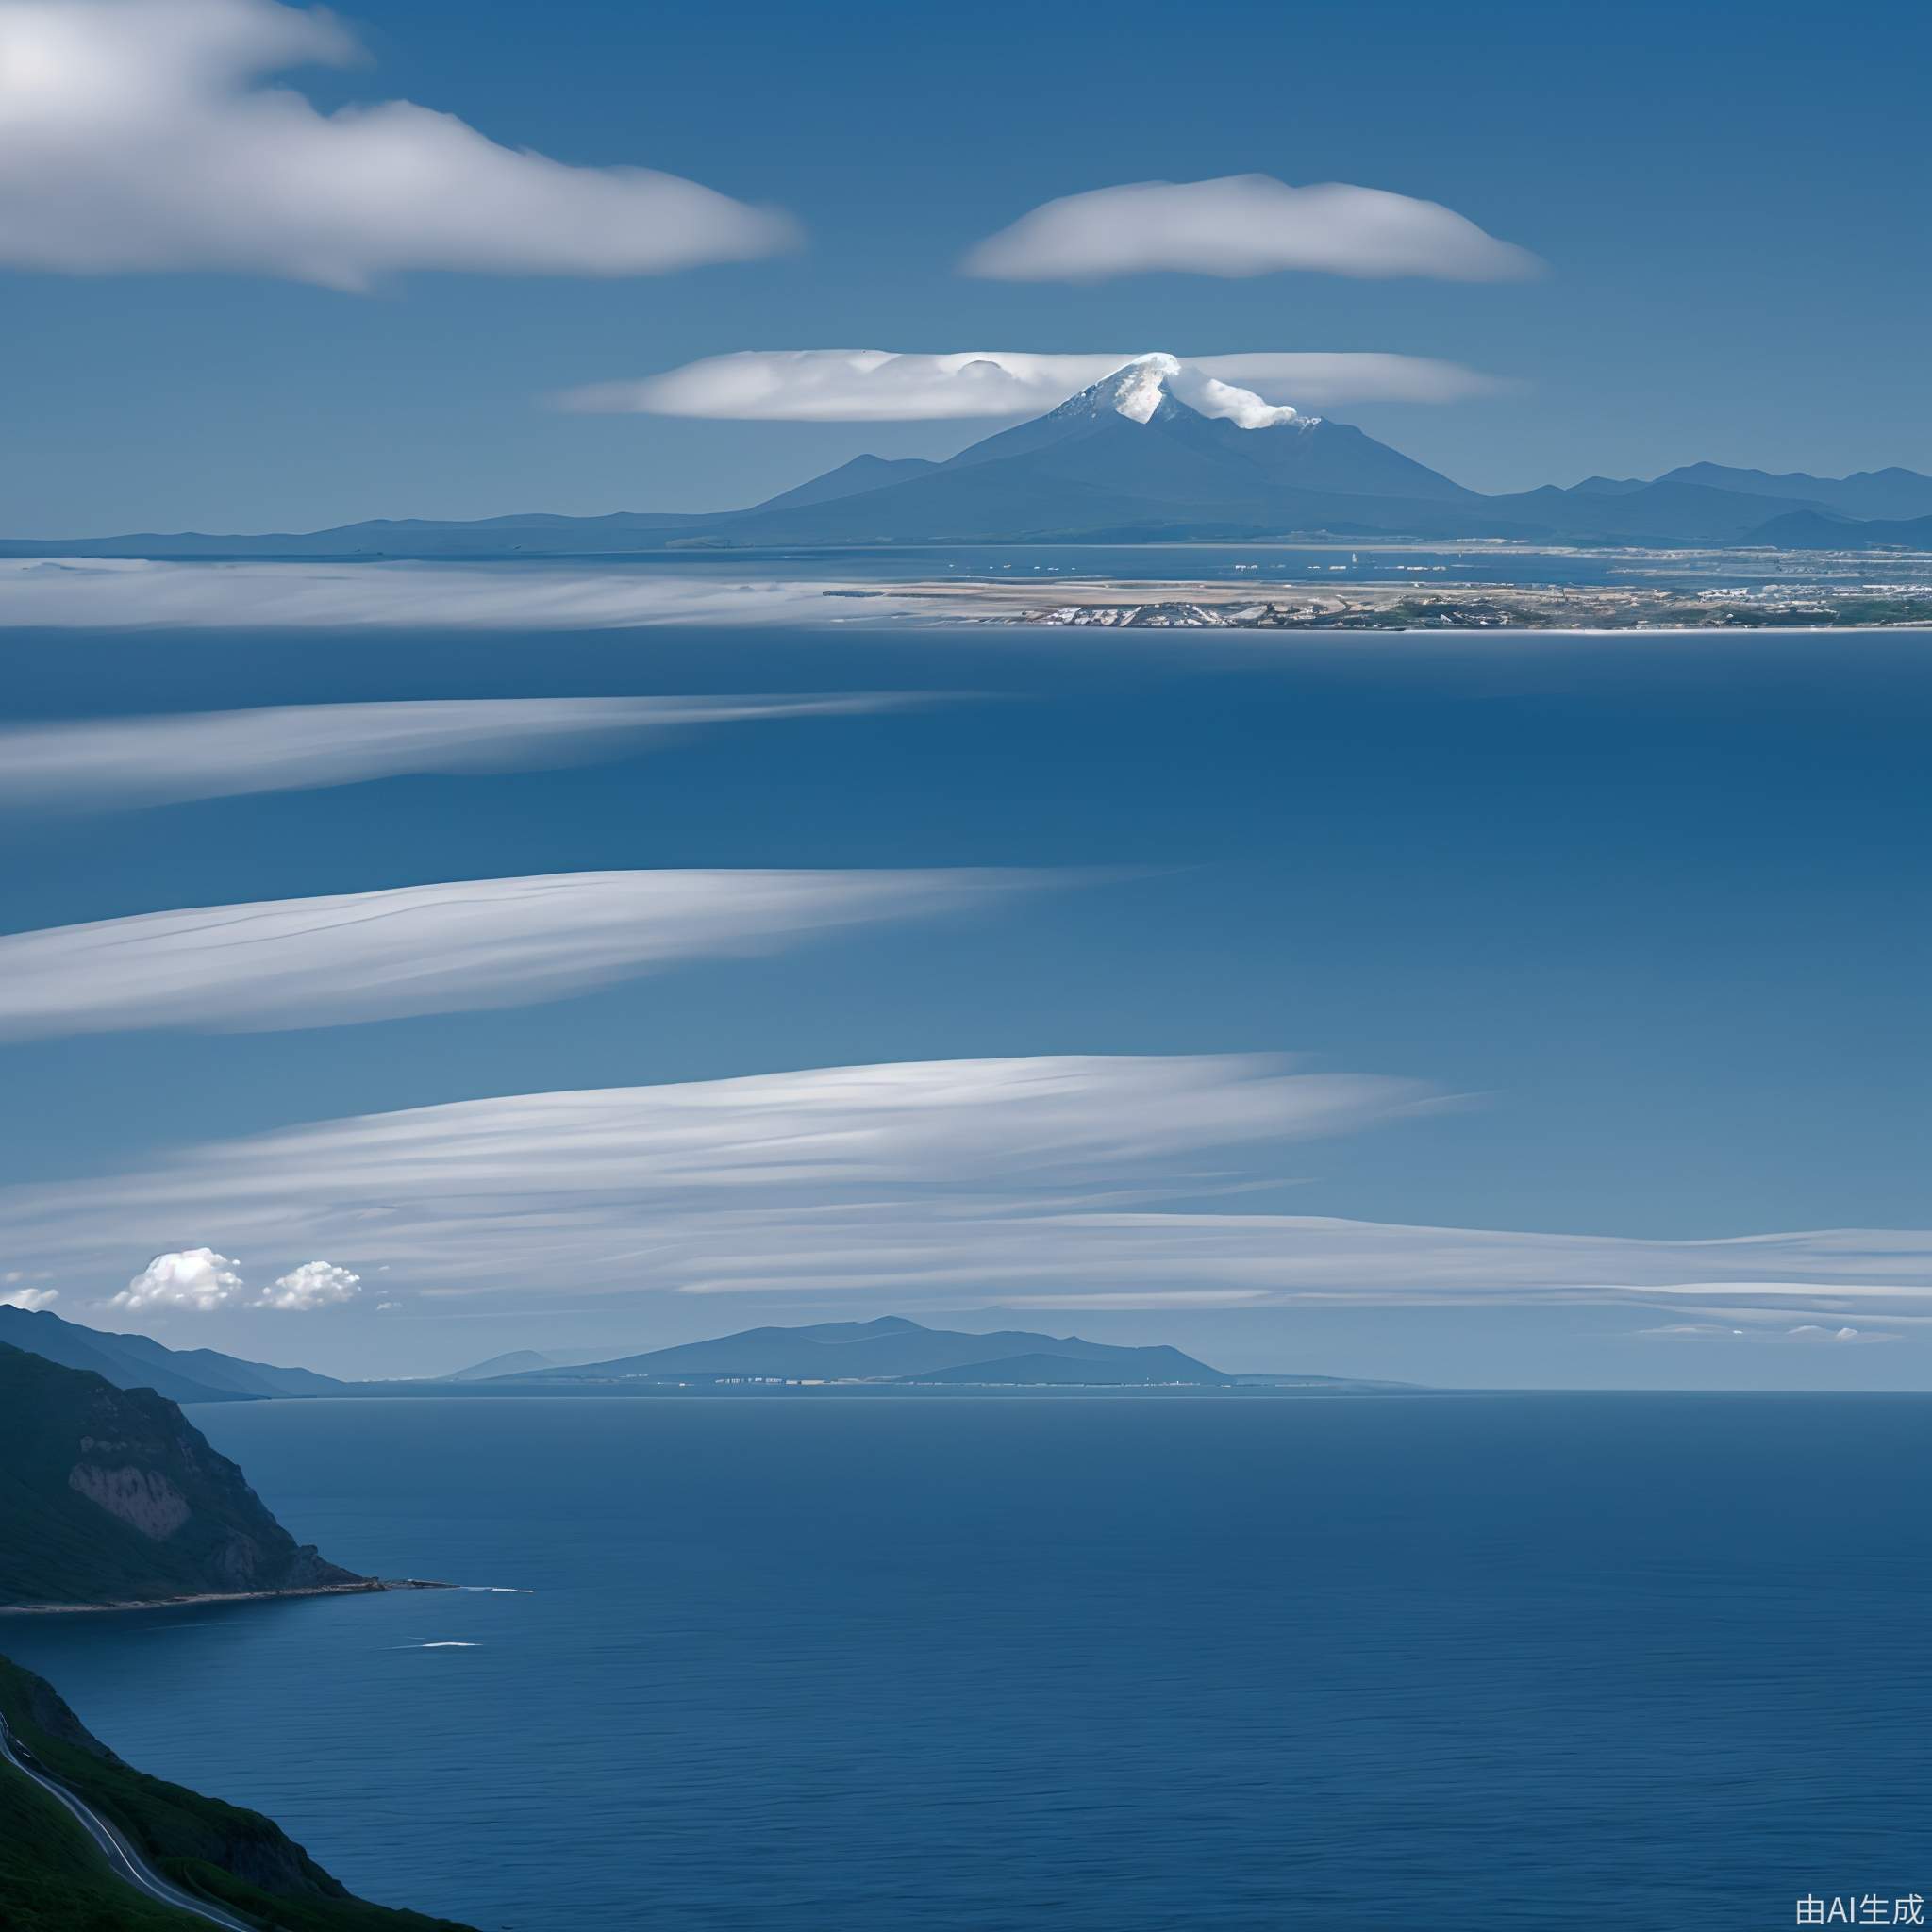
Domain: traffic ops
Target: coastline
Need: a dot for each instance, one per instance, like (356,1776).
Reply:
(367,1586)
(1378,606)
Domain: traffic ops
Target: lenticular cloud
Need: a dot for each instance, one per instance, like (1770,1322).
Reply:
(1244,225)
(891,386)
(136,133)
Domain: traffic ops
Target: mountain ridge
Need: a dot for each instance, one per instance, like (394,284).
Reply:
(139,1362)
(1891,495)
(1813,529)
(1130,459)
(883,1352)
(888,1349)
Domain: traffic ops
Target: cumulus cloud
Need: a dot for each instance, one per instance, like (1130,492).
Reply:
(31,1299)
(441,948)
(157,759)
(134,594)
(196,1278)
(138,135)
(314,1285)
(892,385)
(1244,225)
(1039,1182)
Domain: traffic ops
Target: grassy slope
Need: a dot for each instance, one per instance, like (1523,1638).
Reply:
(220,1850)
(52,1879)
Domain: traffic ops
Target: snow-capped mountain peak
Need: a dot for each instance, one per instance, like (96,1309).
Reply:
(1140,388)
(1137,390)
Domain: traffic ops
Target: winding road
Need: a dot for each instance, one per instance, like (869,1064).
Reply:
(127,1862)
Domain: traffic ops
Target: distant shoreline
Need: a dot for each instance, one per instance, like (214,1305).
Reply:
(645,1389)
(1381,607)
(368,1585)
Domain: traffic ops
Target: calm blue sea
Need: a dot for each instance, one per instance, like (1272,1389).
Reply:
(1548,1660)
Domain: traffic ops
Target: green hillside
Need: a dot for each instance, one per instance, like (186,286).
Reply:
(52,1878)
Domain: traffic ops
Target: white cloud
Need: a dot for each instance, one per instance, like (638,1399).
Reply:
(1805,1333)
(134,594)
(1763,1334)
(1244,225)
(453,947)
(31,1299)
(853,1174)
(1744,1288)
(138,135)
(1833,1337)
(1692,1331)
(314,1285)
(890,386)
(166,758)
(1041,1182)
(196,1278)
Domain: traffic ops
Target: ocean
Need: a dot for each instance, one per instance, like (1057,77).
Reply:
(1478,1660)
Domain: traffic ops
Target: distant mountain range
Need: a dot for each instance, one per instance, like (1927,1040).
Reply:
(891,1349)
(1126,460)
(136,1361)
(894,1352)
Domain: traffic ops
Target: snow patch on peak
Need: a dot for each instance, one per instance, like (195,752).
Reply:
(1139,389)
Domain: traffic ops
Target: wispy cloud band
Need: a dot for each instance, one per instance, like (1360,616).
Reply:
(1059,1182)
(283,963)
(166,758)
(905,1171)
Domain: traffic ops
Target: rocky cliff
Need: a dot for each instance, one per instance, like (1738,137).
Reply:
(110,1495)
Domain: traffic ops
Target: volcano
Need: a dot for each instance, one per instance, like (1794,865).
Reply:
(1155,451)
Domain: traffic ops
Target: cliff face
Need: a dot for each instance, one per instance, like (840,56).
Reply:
(110,1495)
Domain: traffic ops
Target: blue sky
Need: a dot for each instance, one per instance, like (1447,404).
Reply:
(1728,199)
(432,962)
